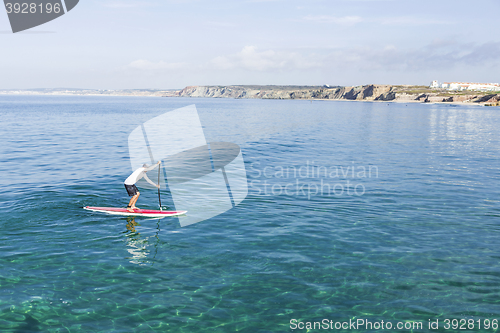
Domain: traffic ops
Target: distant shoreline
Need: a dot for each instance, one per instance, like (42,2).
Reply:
(86,92)
(372,92)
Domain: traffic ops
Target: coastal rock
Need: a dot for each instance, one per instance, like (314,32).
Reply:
(486,98)
(434,99)
(404,97)
(463,98)
(371,92)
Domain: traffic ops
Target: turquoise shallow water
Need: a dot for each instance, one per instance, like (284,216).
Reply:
(418,238)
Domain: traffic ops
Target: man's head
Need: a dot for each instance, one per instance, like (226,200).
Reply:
(145,165)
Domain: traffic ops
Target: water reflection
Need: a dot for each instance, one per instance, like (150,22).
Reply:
(139,246)
(131,224)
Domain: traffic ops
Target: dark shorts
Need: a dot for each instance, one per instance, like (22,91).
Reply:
(131,190)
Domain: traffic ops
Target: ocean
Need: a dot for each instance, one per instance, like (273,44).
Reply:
(364,213)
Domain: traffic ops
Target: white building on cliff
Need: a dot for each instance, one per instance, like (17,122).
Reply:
(466,86)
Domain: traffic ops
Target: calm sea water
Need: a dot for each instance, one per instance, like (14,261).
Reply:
(369,211)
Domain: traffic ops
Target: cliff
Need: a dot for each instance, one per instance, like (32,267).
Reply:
(372,92)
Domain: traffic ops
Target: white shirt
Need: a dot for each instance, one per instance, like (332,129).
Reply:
(138,174)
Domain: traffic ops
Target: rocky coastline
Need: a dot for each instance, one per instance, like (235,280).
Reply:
(371,92)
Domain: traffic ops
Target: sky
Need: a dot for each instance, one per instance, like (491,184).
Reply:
(170,44)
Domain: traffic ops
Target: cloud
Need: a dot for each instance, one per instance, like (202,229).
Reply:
(126,4)
(220,24)
(263,0)
(344,20)
(435,56)
(411,21)
(482,54)
(353,20)
(146,65)
(250,58)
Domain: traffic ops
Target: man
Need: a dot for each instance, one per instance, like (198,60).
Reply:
(132,179)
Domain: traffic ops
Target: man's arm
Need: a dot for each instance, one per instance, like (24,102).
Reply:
(150,181)
(152,167)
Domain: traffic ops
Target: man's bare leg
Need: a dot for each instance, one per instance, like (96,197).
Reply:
(135,198)
(130,204)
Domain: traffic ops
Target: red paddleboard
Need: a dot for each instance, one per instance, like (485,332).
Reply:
(137,212)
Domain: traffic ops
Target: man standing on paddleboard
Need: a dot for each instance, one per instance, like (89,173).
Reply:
(132,179)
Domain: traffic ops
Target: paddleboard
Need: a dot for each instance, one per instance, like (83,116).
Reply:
(137,212)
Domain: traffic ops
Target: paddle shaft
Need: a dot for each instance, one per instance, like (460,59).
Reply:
(159,197)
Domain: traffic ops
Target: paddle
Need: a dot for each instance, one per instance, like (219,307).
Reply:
(159,198)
